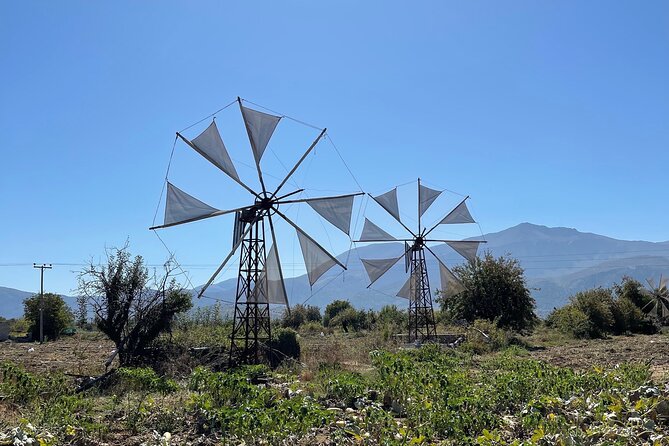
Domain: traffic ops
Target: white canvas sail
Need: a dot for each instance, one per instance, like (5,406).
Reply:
(466,248)
(181,207)
(405,291)
(377,267)
(388,201)
(260,127)
(337,211)
(426,197)
(273,291)
(210,145)
(316,259)
(460,214)
(450,285)
(371,232)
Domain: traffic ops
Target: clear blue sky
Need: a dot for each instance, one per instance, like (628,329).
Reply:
(555,113)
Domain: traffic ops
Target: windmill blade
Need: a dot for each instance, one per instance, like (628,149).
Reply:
(337,210)
(466,248)
(459,214)
(663,282)
(292,171)
(405,291)
(450,284)
(271,280)
(377,267)
(316,259)
(372,233)
(210,145)
(181,208)
(225,261)
(426,197)
(260,127)
(388,201)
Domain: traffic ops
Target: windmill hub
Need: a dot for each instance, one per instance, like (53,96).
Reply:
(418,243)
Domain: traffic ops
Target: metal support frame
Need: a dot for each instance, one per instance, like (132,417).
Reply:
(422,326)
(251,332)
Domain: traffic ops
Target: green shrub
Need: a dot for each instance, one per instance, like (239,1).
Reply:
(333,309)
(312,328)
(571,320)
(284,345)
(484,336)
(56,314)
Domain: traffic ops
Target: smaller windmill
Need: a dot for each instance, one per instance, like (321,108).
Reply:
(422,325)
(658,305)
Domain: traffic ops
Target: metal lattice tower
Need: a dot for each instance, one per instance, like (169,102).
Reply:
(422,326)
(260,277)
(251,332)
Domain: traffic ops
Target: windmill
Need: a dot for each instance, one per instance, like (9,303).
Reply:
(658,303)
(422,325)
(260,277)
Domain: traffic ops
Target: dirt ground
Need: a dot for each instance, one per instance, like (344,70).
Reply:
(82,354)
(652,349)
(85,354)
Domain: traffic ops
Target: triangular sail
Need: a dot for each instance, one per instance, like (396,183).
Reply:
(426,197)
(466,248)
(450,285)
(458,215)
(210,145)
(377,267)
(260,127)
(405,291)
(388,201)
(273,291)
(371,232)
(181,207)
(316,259)
(337,211)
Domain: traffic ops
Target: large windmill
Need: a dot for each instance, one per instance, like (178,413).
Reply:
(260,277)
(422,325)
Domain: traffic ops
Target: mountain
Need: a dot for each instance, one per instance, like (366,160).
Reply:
(11,302)
(558,262)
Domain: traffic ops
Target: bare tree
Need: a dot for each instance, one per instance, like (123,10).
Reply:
(131,307)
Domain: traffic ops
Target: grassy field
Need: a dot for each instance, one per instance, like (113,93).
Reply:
(348,389)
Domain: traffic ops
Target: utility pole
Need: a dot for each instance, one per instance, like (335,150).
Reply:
(41,267)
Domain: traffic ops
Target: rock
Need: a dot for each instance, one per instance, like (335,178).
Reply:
(662,408)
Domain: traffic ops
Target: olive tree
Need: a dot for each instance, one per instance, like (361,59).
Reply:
(131,306)
(494,289)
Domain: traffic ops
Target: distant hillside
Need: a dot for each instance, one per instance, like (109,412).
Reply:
(11,302)
(558,262)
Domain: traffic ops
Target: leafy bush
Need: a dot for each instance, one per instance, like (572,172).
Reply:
(597,312)
(494,289)
(57,315)
(484,336)
(300,314)
(333,309)
(284,345)
(571,320)
(312,328)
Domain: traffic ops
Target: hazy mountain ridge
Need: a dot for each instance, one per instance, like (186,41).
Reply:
(558,262)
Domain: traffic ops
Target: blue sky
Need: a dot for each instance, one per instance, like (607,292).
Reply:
(554,113)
